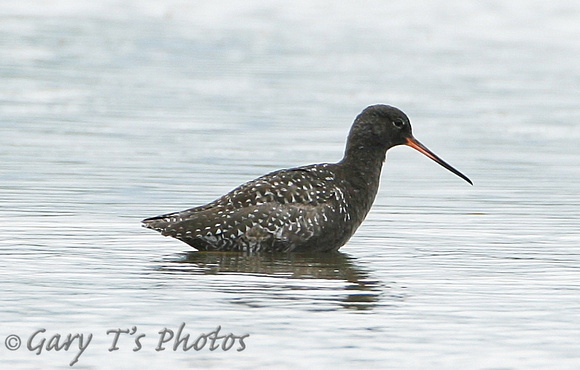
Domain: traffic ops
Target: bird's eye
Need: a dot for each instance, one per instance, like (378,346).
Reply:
(398,123)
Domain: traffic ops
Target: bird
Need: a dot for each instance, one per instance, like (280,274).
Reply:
(313,208)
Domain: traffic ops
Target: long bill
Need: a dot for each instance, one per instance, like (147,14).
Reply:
(415,144)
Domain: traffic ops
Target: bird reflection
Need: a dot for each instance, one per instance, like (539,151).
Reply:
(360,292)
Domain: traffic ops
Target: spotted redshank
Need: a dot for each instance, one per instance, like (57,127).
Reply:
(305,209)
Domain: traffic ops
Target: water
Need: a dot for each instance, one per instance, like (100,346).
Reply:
(112,112)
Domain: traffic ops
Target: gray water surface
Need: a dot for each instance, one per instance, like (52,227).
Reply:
(114,111)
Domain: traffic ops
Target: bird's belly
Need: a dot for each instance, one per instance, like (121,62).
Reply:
(325,230)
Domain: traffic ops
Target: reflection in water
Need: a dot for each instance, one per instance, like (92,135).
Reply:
(359,293)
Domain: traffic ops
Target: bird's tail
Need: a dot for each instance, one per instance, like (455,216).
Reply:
(158,223)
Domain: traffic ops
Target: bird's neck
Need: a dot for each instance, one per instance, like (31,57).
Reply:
(362,169)
(363,160)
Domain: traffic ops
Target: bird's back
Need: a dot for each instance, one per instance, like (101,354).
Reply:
(286,210)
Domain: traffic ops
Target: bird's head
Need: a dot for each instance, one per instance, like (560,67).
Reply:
(380,127)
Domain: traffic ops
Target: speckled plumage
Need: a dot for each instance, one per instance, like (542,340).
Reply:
(310,208)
